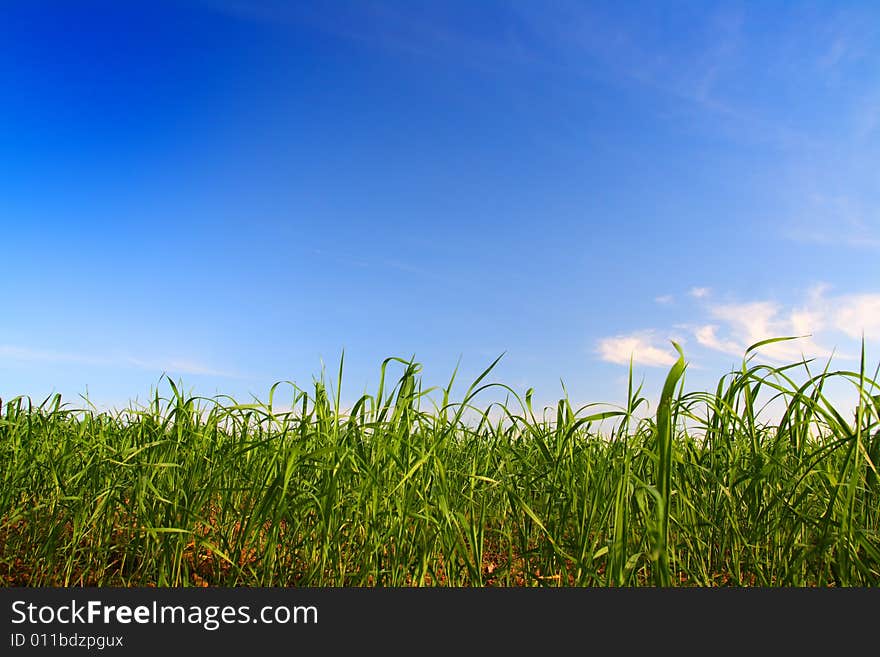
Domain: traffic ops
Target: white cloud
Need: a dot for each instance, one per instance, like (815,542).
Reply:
(664,299)
(640,346)
(821,320)
(854,314)
(700,292)
(752,322)
(707,336)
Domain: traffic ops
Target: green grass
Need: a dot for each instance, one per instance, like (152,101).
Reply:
(412,488)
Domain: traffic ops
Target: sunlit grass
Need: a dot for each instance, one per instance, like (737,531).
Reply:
(412,488)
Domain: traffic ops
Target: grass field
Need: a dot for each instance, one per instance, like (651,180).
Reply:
(702,490)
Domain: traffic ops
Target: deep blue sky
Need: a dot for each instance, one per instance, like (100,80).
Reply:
(232,191)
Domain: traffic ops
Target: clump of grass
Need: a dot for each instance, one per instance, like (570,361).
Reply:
(406,490)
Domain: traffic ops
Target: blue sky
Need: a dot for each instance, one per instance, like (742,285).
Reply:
(233,192)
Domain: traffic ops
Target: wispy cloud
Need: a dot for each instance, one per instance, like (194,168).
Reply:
(830,238)
(836,220)
(352,259)
(424,31)
(14,352)
(170,365)
(700,292)
(664,299)
(701,74)
(641,346)
(181,366)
